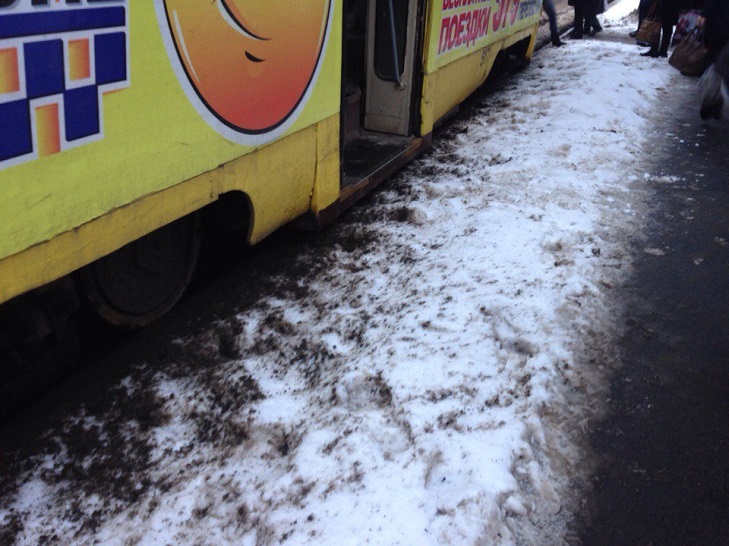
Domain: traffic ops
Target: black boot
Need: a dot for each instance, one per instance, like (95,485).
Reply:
(666,34)
(556,42)
(652,52)
(576,33)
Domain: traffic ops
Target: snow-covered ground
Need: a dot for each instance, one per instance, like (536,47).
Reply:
(427,380)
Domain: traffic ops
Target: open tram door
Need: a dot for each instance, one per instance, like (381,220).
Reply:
(390,59)
(380,89)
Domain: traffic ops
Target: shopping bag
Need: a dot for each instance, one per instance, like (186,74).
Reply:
(686,24)
(649,32)
(689,57)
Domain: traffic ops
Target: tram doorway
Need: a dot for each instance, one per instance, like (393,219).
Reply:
(381,74)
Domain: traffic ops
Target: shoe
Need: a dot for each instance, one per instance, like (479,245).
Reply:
(556,42)
(633,34)
(575,35)
(596,30)
(663,53)
(650,53)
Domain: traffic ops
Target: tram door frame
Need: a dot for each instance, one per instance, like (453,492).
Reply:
(389,90)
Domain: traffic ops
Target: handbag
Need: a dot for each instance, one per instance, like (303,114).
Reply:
(686,24)
(649,32)
(689,57)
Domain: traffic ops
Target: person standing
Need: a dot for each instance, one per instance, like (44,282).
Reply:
(593,8)
(643,8)
(551,12)
(668,14)
(714,20)
(579,7)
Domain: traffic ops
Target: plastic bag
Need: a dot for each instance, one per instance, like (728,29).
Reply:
(686,24)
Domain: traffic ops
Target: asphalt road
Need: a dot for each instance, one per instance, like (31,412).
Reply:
(664,477)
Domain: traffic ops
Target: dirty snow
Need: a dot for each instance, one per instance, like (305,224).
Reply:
(424,379)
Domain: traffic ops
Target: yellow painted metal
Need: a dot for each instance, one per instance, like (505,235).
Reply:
(157,160)
(326,187)
(448,86)
(457,28)
(293,159)
(278,180)
(462,41)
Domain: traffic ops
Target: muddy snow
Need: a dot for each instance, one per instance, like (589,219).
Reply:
(425,379)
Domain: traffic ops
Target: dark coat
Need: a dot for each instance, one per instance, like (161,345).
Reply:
(594,7)
(668,10)
(587,5)
(716,31)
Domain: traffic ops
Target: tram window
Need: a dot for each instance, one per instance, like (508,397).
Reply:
(384,58)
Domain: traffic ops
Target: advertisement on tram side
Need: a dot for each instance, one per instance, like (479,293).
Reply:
(459,27)
(105,102)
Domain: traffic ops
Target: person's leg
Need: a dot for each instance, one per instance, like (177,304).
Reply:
(579,21)
(548,6)
(656,49)
(643,8)
(666,33)
(588,11)
(552,14)
(593,22)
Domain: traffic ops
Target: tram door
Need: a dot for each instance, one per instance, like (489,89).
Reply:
(390,65)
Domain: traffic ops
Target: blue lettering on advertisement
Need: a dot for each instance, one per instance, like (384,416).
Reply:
(57,59)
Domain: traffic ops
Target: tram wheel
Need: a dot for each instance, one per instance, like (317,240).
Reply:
(141,281)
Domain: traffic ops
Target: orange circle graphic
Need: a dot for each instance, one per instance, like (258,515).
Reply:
(250,61)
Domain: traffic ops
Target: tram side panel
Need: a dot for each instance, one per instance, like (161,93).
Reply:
(121,116)
(463,39)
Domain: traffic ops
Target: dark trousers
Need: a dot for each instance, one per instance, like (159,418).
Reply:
(592,21)
(666,33)
(548,6)
(643,8)
(579,18)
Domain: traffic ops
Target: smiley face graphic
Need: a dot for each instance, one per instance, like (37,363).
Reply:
(250,63)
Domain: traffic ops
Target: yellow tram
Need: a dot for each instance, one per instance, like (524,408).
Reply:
(120,120)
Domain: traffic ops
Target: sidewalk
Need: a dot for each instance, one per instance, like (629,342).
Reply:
(565,20)
(664,477)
